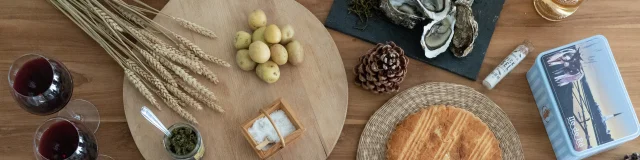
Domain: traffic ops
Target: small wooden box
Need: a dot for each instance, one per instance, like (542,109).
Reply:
(279,104)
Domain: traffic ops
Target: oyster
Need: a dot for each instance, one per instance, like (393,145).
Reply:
(466,31)
(464,2)
(437,35)
(406,13)
(436,9)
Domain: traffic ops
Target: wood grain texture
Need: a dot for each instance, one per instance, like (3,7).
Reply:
(35,26)
(316,89)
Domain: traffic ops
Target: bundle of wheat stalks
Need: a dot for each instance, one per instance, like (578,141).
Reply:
(156,67)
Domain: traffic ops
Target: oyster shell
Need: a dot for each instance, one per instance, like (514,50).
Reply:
(436,9)
(437,35)
(406,13)
(466,31)
(464,2)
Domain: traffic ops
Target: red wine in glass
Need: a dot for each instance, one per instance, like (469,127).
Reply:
(59,141)
(60,138)
(43,86)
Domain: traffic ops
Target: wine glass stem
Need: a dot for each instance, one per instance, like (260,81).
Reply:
(75,115)
(83,111)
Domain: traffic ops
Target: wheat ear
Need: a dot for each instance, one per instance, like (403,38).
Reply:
(130,15)
(213,59)
(107,19)
(202,70)
(184,97)
(198,52)
(136,69)
(155,81)
(151,37)
(204,99)
(151,60)
(175,106)
(141,87)
(193,65)
(187,78)
(170,54)
(195,27)
(159,68)
(186,52)
(171,101)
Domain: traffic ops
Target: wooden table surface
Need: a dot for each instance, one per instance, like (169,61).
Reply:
(37,27)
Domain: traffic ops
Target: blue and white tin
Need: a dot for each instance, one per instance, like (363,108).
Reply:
(582,99)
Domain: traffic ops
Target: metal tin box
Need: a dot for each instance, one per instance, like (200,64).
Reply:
(582,99)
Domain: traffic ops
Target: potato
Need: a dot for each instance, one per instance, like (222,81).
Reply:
(279,54)
(287,34)
(258,35)
(257,19)
(242,40)
(268,71)
(259,52)
(272,34)
(296,53)
(244,61)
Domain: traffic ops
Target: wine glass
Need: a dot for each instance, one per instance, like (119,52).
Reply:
(61,138)
(43,86)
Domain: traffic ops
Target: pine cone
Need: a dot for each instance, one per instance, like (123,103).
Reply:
(382,69)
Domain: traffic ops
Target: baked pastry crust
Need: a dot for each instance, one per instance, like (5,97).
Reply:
(441,133)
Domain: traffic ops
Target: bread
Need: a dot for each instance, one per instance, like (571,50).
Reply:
(443,132)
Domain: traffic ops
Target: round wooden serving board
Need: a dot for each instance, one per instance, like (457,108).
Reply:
(316,90)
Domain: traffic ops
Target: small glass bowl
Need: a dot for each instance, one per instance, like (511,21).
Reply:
(196,154)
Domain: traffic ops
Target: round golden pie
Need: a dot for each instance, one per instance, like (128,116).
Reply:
(442,133)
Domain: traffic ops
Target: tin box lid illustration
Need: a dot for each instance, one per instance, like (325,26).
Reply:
(590,94)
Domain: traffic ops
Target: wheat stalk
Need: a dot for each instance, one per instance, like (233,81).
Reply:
(173,104)
(180,59)
(130,15)
(133,66)
(171,101)
(195,27)
(198,52)
(152,38)
(163,91)
(184,51)
(207,73)
(159,68)
(193,65)
(184,97)
(187,78)
(204,99)
(137,34)
(214,60)
(107,19)
(141,87)
(215,107)
(151,65)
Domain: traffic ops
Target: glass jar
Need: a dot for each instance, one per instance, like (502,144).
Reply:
(196,154)
(556,10)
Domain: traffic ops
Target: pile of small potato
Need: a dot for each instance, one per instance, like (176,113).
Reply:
(266,47)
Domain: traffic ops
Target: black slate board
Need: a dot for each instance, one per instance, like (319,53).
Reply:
(379,30)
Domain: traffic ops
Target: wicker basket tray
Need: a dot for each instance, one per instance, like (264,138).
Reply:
(373,142)
(279,104)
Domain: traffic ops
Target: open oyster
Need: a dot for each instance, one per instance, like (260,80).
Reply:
(466,31)
(436,9)
(437,35)
(403,12)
